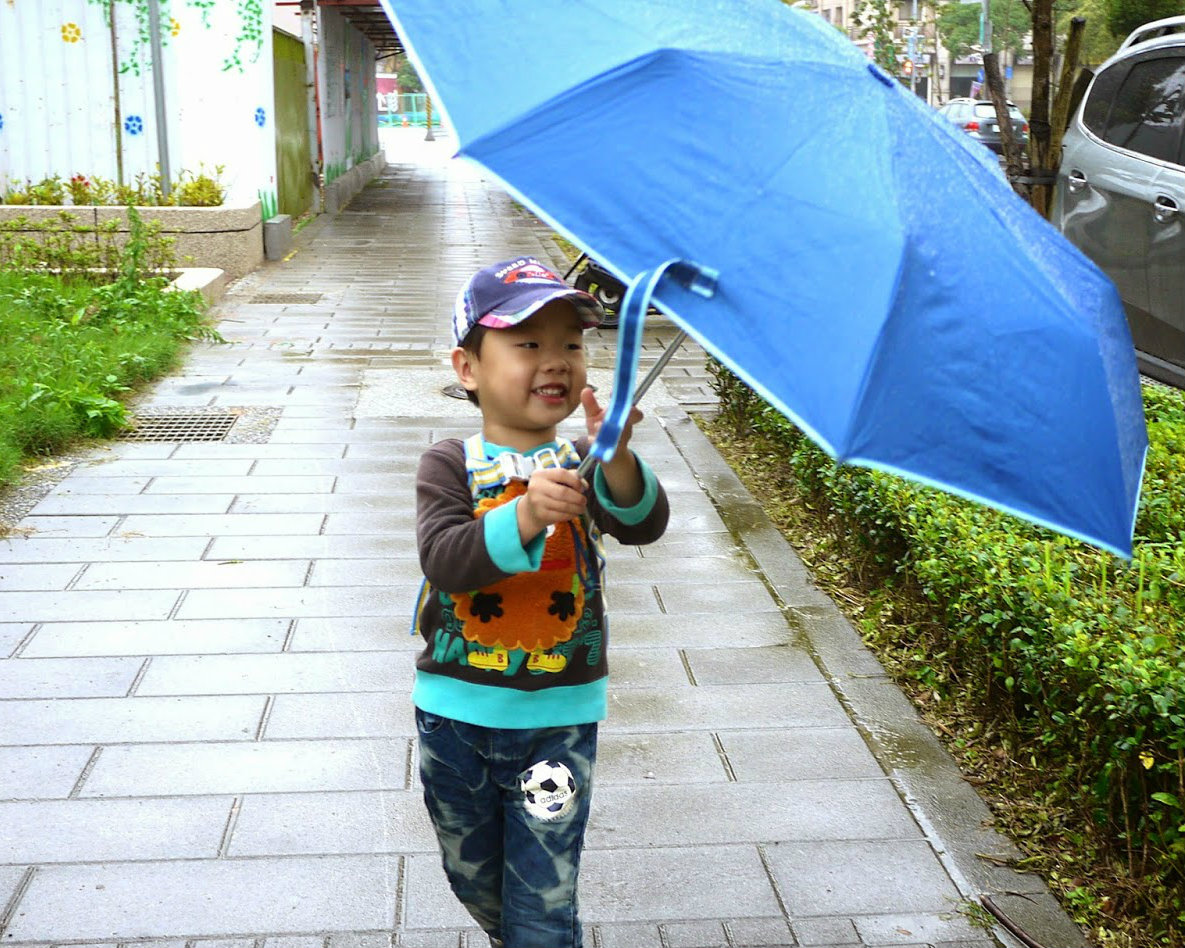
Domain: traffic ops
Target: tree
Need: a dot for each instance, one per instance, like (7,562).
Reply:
(407,77)
(1123,16)
(958,25)
(878,20)
(1098,42)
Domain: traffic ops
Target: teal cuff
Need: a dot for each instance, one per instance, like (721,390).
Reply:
(504,545)
(639,511)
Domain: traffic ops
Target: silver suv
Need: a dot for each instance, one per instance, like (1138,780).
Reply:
(1120,193)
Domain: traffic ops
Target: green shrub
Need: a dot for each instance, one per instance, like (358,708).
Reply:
(1077,655)
(203,189)
(71,346)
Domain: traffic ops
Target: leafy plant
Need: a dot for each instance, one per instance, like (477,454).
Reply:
(74,343)
(1072,657)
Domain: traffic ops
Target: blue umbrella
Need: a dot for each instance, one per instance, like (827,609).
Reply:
(876,278)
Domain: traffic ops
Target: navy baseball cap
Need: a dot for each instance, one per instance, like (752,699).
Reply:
(504,294)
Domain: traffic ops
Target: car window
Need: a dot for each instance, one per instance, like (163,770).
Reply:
(1146,115)
(987,110)
(1102,94)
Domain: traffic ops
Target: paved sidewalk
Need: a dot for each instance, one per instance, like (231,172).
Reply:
(204,659)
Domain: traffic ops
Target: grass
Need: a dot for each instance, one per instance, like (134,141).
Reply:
(72,352)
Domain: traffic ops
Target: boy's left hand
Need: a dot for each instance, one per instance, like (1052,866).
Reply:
(594,416)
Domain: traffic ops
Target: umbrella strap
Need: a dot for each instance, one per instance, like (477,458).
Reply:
(691,276)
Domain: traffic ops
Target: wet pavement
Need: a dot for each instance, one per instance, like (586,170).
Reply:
(206,738)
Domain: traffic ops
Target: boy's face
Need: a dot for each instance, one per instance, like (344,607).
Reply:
(528,377)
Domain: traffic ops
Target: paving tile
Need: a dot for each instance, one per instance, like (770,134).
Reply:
(916,929)
(673,884)
(364,572)
(84,484)
(745,666)
(306,453)
(311,547)
(366,714)
(713,707)
(100,550)
(648,668)
(664,758)
(701,570)
(65,831)
(359,524)
(634,630)
(676,545)
(861,877)
(250,484)
(726,598)
(40,773)
(394,471)
(274,674)
(131,720)
(85,604)
(295,941)
(10,878)
(11,635)
(177,466)
(760,931)
(695,934)
(238,767)
(805,753)
(324,601)
(807,809)
(341,823)
(375,633)
(368,940)
(89,504)
(334,504)
(238,524)
(79,526)
(629,935)
(167,637)
(220,574)
(204,898)
(825,931)
(67,677)
(633,599)
(40,576)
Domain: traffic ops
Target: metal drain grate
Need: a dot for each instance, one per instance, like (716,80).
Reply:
(179,426)
(286,298)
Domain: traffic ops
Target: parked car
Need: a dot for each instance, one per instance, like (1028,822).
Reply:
(977,117)
(1120,194)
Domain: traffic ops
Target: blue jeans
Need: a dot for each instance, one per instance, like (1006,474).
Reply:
(510,808)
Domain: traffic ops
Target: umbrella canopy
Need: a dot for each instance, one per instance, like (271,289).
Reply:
(878,281)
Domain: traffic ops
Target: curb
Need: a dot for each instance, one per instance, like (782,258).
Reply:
(953,818)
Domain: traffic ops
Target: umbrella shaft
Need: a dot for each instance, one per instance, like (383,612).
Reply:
(643,386)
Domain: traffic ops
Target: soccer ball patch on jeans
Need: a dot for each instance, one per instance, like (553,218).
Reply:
(549,790)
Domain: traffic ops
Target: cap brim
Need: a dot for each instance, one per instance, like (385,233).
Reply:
(586,306)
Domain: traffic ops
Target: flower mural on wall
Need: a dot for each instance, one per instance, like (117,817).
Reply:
(260,117)
(174,26)
(71,32)
(133,125)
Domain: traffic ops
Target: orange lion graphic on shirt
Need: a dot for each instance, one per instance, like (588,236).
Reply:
(531,611)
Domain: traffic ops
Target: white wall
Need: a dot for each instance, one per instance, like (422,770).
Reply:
(57,93)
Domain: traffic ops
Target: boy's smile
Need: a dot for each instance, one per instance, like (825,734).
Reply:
(528,377)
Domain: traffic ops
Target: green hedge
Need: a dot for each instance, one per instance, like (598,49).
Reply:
(1080,654)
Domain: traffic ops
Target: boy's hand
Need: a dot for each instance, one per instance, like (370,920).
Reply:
(621,474)
(553,496)
(594,417)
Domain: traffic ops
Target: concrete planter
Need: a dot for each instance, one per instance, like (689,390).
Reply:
(226,238)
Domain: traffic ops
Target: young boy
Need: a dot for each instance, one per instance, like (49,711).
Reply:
(513,678)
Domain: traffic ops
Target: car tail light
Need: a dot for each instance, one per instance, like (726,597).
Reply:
(1025,128)
(971,127)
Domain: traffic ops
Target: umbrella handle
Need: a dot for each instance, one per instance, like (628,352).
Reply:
(699,280)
